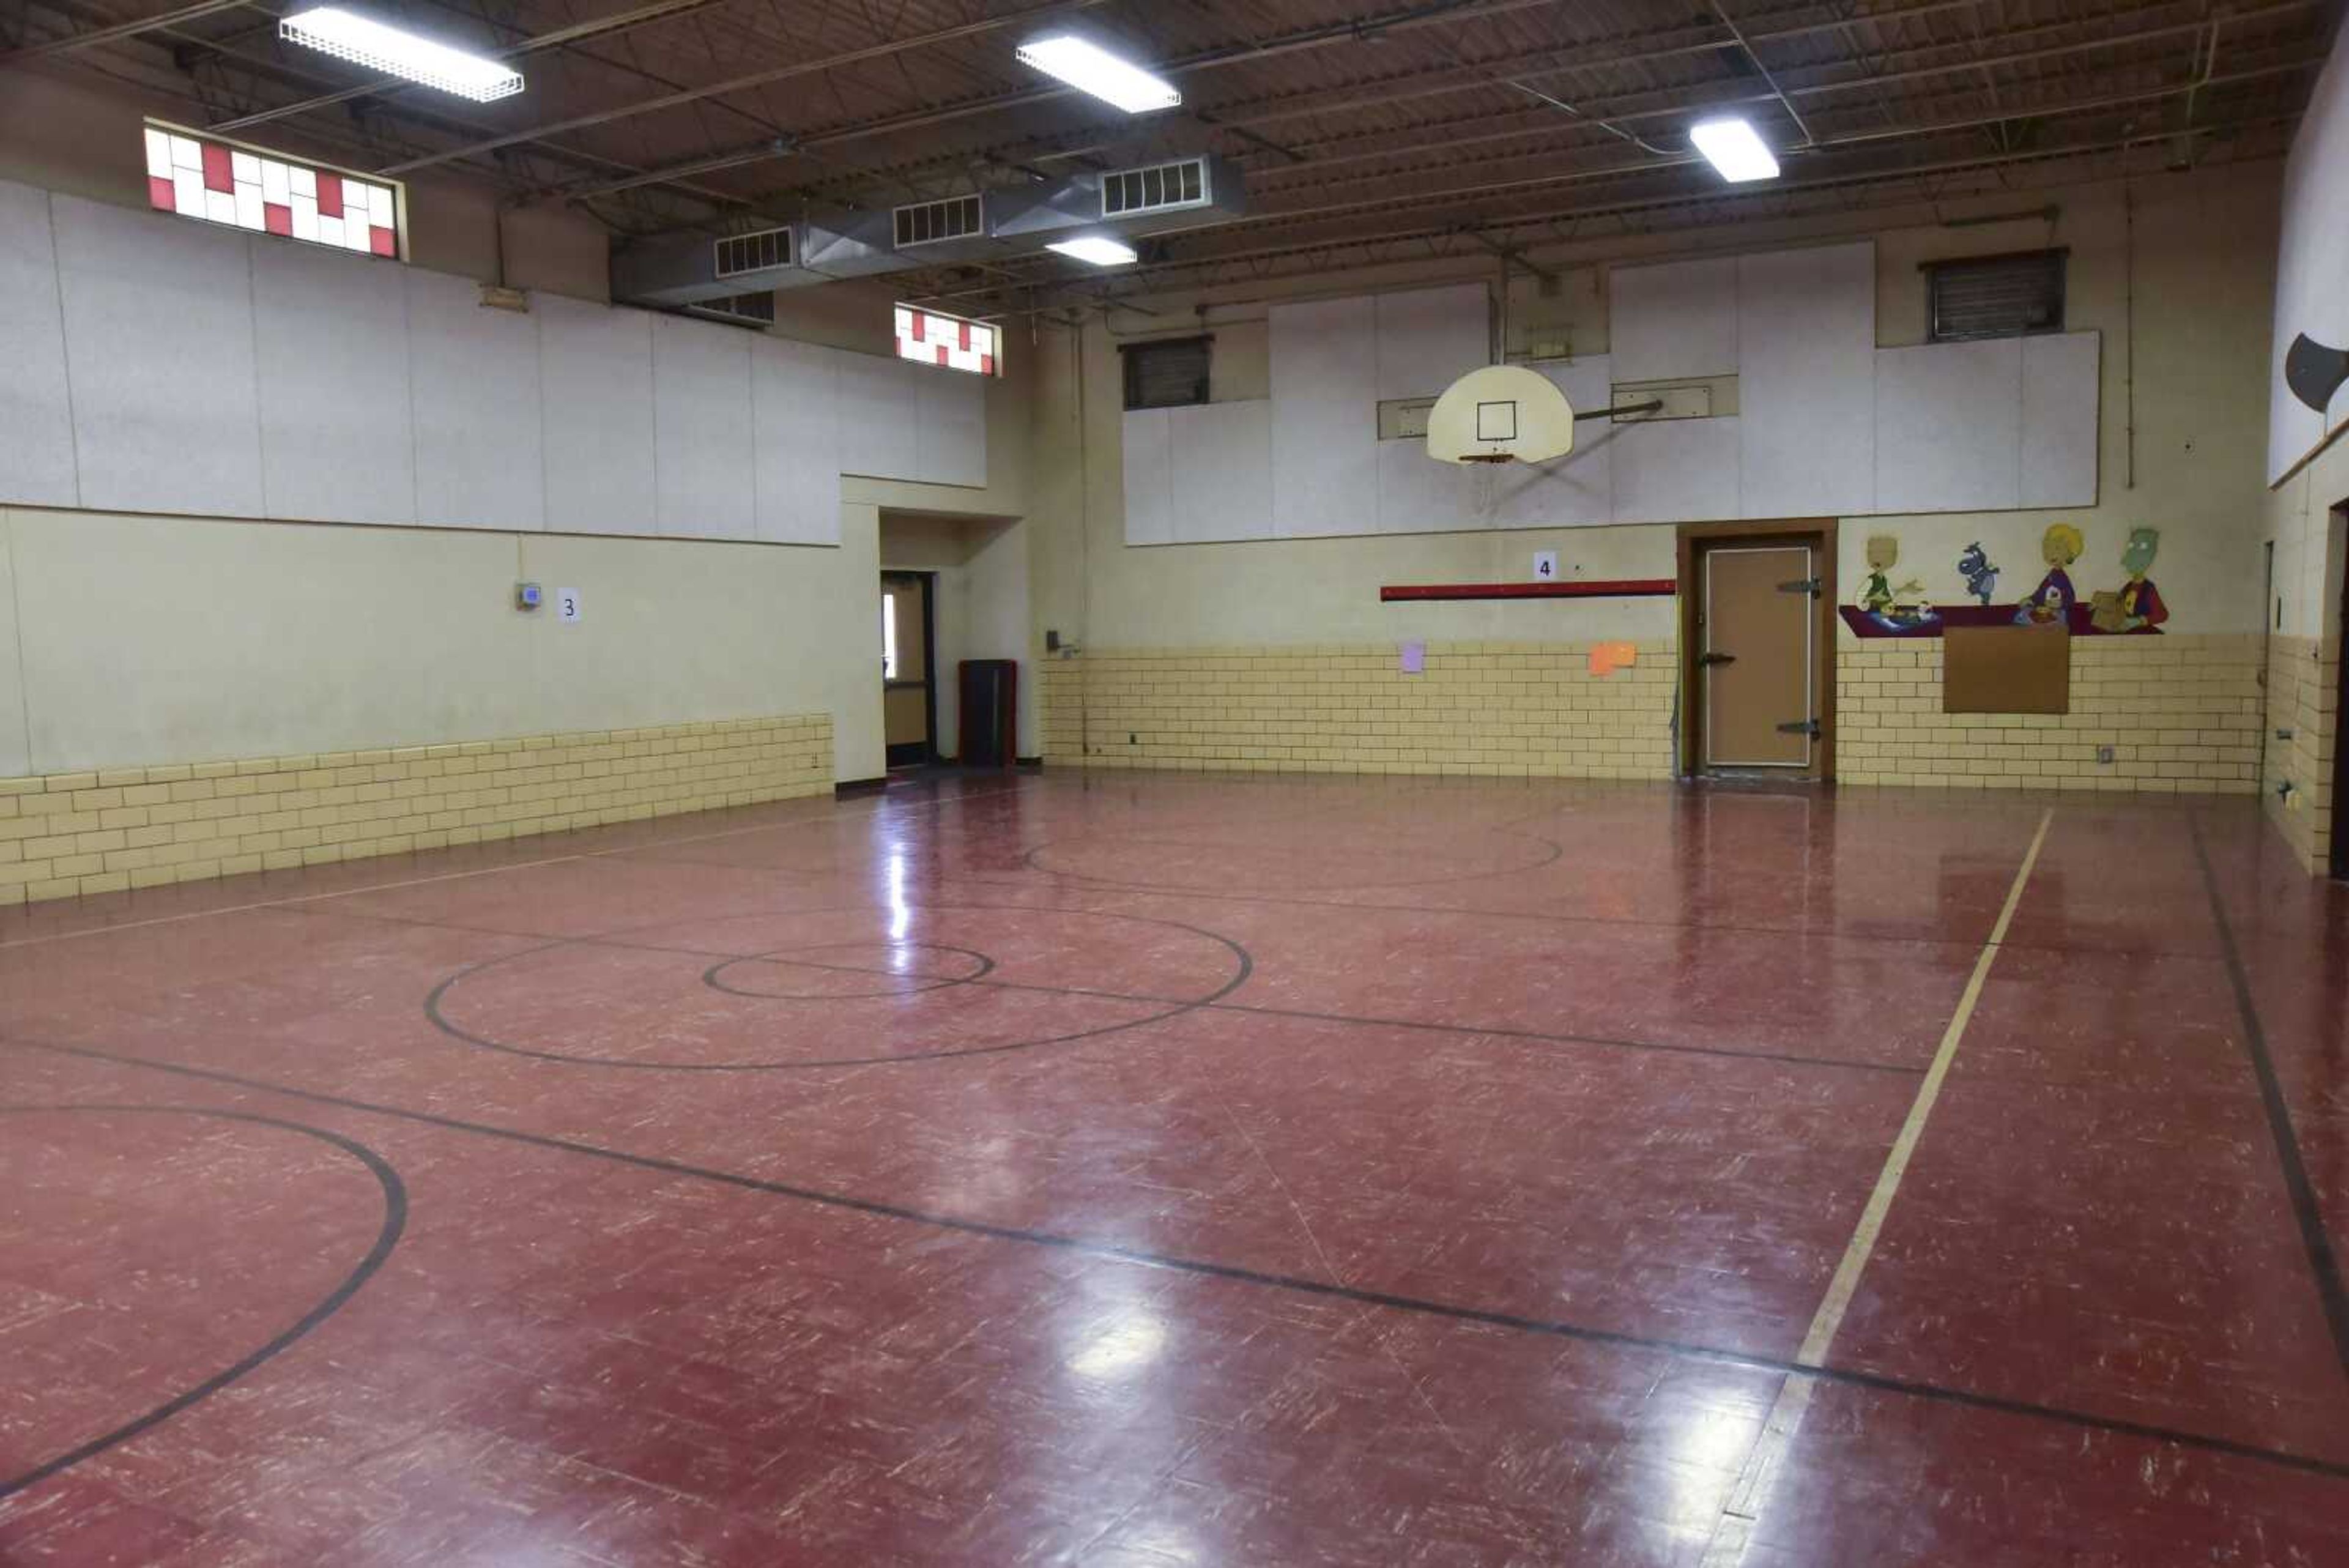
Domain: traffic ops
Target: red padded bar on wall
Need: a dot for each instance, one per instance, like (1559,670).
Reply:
(1625,588)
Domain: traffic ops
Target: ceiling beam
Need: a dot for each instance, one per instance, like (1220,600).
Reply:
(119,31)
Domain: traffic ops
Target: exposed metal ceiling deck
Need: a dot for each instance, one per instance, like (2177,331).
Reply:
(1366,133)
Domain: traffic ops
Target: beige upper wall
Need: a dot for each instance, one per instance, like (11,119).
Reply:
(66,130)
(2203,249)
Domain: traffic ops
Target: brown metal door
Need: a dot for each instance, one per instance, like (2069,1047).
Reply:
(1756,661)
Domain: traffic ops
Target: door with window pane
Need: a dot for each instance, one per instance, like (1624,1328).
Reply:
(909,682)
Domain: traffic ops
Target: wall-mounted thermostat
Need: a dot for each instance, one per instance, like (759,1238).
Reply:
(525,595)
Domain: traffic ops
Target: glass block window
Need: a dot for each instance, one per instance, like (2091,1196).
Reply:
(198,178)
(933,339)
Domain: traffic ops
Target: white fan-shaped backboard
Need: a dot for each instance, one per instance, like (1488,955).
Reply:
(1499,412)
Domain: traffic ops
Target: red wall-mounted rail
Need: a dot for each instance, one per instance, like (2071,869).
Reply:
(1624,589)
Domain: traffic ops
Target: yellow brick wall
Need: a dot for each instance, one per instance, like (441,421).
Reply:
(2181,713)
(1489,708)
(67,834)
(2303,694)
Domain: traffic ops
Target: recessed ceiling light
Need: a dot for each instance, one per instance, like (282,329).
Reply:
(348,36)
(1088,67)
(1734,149)
(1099,249)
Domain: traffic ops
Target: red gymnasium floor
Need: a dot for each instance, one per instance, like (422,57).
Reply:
(1159,1170)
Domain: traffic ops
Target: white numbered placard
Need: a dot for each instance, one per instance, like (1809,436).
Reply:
(1544,566)
(566,605)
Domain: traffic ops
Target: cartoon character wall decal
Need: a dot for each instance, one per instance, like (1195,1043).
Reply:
(1879,599)
(2050,602)
(1982,577)
(2137,604)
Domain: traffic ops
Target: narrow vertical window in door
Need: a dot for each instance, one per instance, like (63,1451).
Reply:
(1756,664)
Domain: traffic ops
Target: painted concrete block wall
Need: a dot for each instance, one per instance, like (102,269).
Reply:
(158,640)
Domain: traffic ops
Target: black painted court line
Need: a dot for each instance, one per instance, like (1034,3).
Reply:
(1148,891)
(395,1221)
(2324,1264)
(1114,1252)
(546,942)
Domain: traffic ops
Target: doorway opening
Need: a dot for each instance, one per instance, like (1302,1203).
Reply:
(1757,631)
(909,685)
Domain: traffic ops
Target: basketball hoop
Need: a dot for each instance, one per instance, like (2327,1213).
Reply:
(1501,413)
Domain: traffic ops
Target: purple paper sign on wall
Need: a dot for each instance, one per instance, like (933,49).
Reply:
(1414,658)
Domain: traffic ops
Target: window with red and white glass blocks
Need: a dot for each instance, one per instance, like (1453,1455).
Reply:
(197,178)
(929,338)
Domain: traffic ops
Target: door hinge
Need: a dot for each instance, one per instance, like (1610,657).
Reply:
(1810,586)
(1716,659)
(1801,727)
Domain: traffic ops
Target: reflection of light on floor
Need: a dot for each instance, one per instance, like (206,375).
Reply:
(901,918)
(1707,1452)
(1127,1344)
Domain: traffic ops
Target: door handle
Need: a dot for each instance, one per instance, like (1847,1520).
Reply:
(1717,658)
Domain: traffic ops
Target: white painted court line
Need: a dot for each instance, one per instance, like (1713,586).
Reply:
(1760,1476)
(811,821)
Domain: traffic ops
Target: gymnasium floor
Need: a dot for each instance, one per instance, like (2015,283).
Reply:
(1154,1170)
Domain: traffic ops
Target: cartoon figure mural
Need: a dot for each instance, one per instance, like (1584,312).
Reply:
(1982,577)
(2050,602)
(1879,599)
(2138,602)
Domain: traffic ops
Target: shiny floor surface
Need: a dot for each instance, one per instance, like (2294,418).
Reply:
(1156,1170)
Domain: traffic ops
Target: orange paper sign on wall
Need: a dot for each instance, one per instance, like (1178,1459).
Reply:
(1606,657)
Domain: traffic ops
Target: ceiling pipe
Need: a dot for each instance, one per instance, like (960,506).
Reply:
(1785,102)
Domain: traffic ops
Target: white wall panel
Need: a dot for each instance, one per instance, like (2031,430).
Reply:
(159,342)
(1676,319)
(1948,426)
(330,349)
(1219,471)
(1324,417)
(2311,257)
(1149,485)
(36,451)
(880,416)
(479,462)
(1418,494)
(2061,389)
(1806,381)
(1430,337)
(702,430)
(595,371)
(951,427)
(1675,471)
(794,437)
(1579,489)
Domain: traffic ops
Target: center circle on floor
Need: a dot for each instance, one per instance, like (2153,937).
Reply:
(836,987)
(839,970)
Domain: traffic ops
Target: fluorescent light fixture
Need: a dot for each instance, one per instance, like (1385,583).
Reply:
(1099,249)
(1734,149)
(351,36)
(1088,67)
